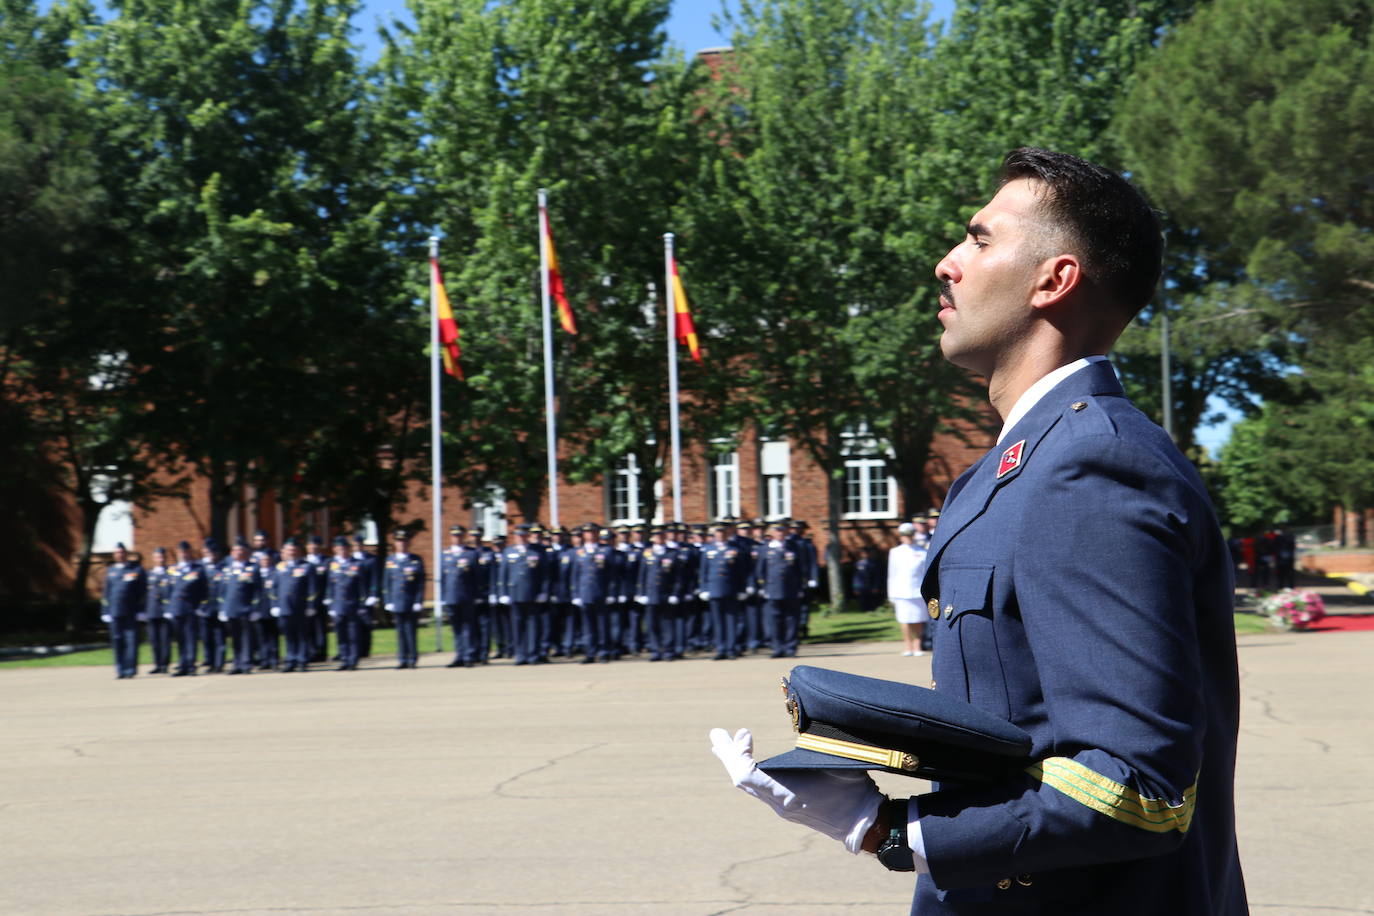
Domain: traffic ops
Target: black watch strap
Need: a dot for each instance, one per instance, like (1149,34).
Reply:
(893,850)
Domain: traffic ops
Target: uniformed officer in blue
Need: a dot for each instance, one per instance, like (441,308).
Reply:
(723,579)
(1080,587)
(155,612)
(778,572)
(403,590)
(811,571)
(318,627)
(344,600)
(660,578)
(240,594)
(460,589)
(593,576)
(122,605)
(752,611)
(523,583)
(211,627)
(266,627)
(367,564)
(185,596)
(293,604)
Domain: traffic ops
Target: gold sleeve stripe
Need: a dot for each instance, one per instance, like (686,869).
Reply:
(1111,798)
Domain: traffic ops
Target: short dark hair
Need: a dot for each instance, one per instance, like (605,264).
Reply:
(1121,236)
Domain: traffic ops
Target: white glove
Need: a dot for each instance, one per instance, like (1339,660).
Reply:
(106,618)
(417,606)
(810,583)
(371,602)
(327,601)
(505,599)
(642,599)
(623,599)
(541,599)
(310,610)
(672,599)
(842,804)
(748,592)
(741,596)
(167,617)
(276,612)
(391,607)
(141,618)
(254,618)
(705,596)
(577,602)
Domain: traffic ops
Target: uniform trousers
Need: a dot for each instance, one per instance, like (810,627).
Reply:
(725,626)
(754,635)
(783,616)
(596,630)
(266,641)
(486,624)
(296,629)
(186,630)
(240,632)
(663,627)
(500,630)
(364,632)
(346,635)
(633,638)
(524,630)
(319,636)
(160,641)
(212,637)
(462,617)
(407,628)
(124,641)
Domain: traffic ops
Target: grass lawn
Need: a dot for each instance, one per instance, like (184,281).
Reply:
(383,644)
(825,627)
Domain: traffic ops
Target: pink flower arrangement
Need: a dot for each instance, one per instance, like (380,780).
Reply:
(1292,609)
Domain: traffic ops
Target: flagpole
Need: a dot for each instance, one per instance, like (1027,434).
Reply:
(551,430)
(436,456)
(676,434)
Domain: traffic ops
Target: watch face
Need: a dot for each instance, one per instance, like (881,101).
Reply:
(896,855)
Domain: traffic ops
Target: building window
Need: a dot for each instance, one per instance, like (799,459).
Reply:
(775,469)
(115,524)
(724,484)
(869,489)
(489,512)
(625,504)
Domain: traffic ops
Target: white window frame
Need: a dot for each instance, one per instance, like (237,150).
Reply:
(725,483)
(489,512)
(867,459)
(776,472)
(625,479)
(115,524)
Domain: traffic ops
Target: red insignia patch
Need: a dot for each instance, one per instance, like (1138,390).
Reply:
(1011,459)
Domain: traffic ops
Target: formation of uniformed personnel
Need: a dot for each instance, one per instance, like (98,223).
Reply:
(155,612)
(122,605)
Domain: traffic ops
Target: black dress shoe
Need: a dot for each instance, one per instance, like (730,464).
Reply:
(587,661)
(341,668)
(456,663)
(778,654)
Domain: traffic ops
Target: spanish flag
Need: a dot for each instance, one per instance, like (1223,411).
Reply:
(565,315)
(448,325)
(682,316)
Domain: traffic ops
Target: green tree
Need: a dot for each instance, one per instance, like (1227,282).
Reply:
(505,98)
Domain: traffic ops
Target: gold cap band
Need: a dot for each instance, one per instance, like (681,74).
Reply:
(897,760)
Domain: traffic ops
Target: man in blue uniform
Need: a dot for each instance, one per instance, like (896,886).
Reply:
(403,589)
(211,627)
(122,605)
(1080,587)
(185,596)
(811,572)
(659,578)
(240,596)
(593,573)
(293,604)
(626,628)
(723,578)
(266,628)
(752,610)
(345,598)
(367,564)
(523,584)
(460,590)
(562,614)
(868,579)
(488,616)
(318,626)
(778,572)
(155,612)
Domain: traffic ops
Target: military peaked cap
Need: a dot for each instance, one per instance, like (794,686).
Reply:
(847,721)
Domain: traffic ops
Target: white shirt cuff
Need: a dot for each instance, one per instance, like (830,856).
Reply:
(915,840)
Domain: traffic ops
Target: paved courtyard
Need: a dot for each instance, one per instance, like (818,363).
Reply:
(562,789)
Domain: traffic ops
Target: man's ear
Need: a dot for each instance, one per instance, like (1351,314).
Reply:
(1055,280)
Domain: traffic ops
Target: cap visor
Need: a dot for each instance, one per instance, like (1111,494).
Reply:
(803,759)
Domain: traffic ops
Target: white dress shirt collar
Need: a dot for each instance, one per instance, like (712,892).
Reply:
(1032,395)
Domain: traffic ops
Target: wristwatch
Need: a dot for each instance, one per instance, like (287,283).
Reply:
(893,850)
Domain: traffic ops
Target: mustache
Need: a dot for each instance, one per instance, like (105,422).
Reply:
(947,291)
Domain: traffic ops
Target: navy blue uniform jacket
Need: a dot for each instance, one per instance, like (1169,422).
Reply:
(1084,592)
